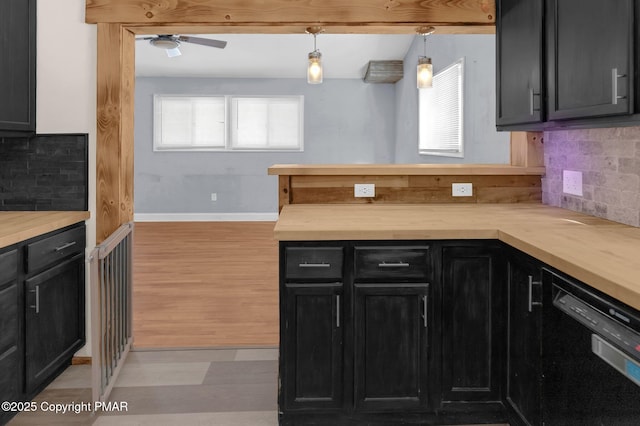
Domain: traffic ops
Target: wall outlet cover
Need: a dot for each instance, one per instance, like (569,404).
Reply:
(364,190)
(572,182)
(462,189)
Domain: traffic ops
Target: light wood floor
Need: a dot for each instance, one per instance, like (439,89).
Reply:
(205,284)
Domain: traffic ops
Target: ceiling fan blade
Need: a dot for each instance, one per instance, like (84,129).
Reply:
(145,38)
(203,41)
(172,53)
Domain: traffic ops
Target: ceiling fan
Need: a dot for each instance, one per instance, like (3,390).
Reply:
(171,43)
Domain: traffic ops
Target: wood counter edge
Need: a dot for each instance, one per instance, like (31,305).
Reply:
(401,169)
(38,224)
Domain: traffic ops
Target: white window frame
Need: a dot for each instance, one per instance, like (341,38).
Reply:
(426,118)
(158,144)
(229,145)
(232,139)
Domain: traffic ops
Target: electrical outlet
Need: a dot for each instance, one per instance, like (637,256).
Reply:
(462,189)
(364,190)
(572,182)
(214,196)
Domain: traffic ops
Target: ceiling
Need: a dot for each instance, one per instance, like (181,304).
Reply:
(272,55)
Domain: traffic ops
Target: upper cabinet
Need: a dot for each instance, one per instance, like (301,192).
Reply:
(566,63)
(17,67)
(519,71)
(590,58)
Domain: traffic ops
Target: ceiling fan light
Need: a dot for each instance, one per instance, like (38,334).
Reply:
(165,43)
(172,53)
(314,69)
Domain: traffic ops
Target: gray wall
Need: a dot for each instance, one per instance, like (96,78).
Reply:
(346,121)
(609,160)
(482,143)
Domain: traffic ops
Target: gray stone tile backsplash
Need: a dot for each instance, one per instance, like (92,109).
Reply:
(609,160)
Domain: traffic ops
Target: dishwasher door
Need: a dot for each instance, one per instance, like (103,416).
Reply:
(579,386)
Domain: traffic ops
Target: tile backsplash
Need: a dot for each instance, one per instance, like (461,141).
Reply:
(609,160)
(44,172)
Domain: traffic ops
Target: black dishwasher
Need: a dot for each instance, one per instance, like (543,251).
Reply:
(591,360)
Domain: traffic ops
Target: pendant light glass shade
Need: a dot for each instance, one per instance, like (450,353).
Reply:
(424,73)
(314,69)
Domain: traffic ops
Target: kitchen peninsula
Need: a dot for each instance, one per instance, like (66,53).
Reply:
(401,310)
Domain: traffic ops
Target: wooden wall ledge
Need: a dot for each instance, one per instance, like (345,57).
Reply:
(402,169)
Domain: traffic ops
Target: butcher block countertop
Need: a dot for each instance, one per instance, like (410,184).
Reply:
(601,253)
(402,169)
(20,226)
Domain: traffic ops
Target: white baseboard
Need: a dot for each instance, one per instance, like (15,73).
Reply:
(205,217)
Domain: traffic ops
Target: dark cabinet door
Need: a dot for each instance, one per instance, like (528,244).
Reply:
(391,329)
(519,43)
(311,363)
(524,337)
(472,323)
(17,66)
(590,58)
(54,319)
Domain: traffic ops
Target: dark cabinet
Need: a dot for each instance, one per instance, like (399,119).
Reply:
(391,335)
(54,320)
(524,334)
(10,325)
(17,67)
(313,359)
(519,55)
(590,58)
(472,322)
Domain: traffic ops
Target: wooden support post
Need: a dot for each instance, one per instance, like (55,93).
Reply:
(527,149)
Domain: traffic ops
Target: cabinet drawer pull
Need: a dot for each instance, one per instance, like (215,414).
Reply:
(424,308)
(37,305)
(314,265)
(531,103)
(64,246)
(614,86)
(531,302)
(393,265)
(337,310)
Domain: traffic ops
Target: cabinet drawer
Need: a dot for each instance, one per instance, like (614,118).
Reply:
(8,266)
(52,249)
(392,263)
(313,262)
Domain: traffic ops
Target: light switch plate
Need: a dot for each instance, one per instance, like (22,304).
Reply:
(462,189)
(572,182)
(364,190)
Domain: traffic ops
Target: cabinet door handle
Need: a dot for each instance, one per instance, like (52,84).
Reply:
(614,86)
(531,103)
(393,265)
(314,265)
(425,300)
(337,310)
(531,302)
(64,246)
(37,305)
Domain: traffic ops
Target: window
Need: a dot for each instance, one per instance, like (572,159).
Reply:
(228,123)
(440,113)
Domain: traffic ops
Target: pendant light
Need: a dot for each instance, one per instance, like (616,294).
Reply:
(424,72)
(314,68)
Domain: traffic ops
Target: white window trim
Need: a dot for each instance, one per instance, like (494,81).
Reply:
(228,122)
(443,153)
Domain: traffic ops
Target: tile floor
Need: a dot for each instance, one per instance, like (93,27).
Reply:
(203,387)
(224,387)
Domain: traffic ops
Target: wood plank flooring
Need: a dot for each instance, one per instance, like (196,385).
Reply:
(205,284)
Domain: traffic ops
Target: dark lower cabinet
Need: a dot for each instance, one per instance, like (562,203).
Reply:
(54,320)
(472,323)
(313,355)
(391,332)
(10,325)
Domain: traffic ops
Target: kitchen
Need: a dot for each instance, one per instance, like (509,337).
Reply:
(588,144)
